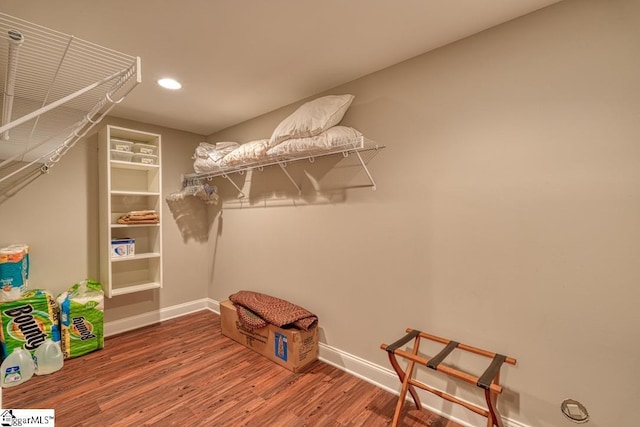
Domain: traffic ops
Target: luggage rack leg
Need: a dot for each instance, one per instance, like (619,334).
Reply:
(404,377)
(488,381)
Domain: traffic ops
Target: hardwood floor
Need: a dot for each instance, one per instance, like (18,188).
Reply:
(184,372)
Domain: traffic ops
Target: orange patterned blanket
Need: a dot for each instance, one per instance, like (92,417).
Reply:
(256,310)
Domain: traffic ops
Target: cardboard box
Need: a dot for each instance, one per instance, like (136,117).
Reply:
(292,348)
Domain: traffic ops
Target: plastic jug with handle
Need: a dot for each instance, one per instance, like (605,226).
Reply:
(17,368)
(48,357)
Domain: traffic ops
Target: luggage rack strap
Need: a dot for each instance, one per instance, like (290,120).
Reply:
(486,379)
(402,341)
(438,358)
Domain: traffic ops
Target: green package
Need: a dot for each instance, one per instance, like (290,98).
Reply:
(82,318)
(28,321)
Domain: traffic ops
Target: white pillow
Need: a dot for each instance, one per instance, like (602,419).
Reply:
(312,118)
(335,137)
(246,153)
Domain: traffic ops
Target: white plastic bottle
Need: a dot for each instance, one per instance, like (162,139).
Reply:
(17,368)
(48,357)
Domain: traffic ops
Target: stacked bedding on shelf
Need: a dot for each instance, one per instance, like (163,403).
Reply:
(139,217)
(335,137)
(208,156)
(252,151)
(312,128)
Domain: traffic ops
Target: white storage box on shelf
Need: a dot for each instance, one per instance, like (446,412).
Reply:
(121,145)
(145,159)
(122,156)
(123,247)
(145,149)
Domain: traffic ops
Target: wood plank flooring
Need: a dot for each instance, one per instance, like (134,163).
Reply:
(184,372)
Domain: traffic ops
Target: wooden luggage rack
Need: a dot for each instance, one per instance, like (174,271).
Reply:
(489,380)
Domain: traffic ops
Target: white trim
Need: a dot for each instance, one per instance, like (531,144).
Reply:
(150,318)
(213,305)
(508,422)
(377,375)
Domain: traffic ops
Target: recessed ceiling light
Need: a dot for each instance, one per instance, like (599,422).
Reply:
(169,84)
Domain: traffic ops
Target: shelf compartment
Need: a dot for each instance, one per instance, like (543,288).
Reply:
(147,240)
(134,136)
(143,179)
(135,274)
(135,288)
(124,202)
(134,225)
(137,256)
(135,193)
(119,164)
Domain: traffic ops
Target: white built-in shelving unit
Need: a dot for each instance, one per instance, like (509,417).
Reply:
(129,185)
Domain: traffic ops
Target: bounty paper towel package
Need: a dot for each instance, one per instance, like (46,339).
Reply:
(14,271)
(82,318)
(28,321)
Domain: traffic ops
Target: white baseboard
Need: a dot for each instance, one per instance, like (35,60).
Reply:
(146,319)
(512,423)
(377,375)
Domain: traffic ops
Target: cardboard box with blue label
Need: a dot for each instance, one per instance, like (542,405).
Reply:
(294,349)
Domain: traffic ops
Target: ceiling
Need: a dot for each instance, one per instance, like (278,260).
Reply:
(238,59)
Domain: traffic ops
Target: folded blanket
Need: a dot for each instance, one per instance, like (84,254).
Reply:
(256,310)
(139,217)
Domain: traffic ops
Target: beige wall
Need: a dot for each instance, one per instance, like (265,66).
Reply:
(57,215)
(507,213)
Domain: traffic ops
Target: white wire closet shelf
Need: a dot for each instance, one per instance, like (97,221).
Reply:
(55,88)
(362,148)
